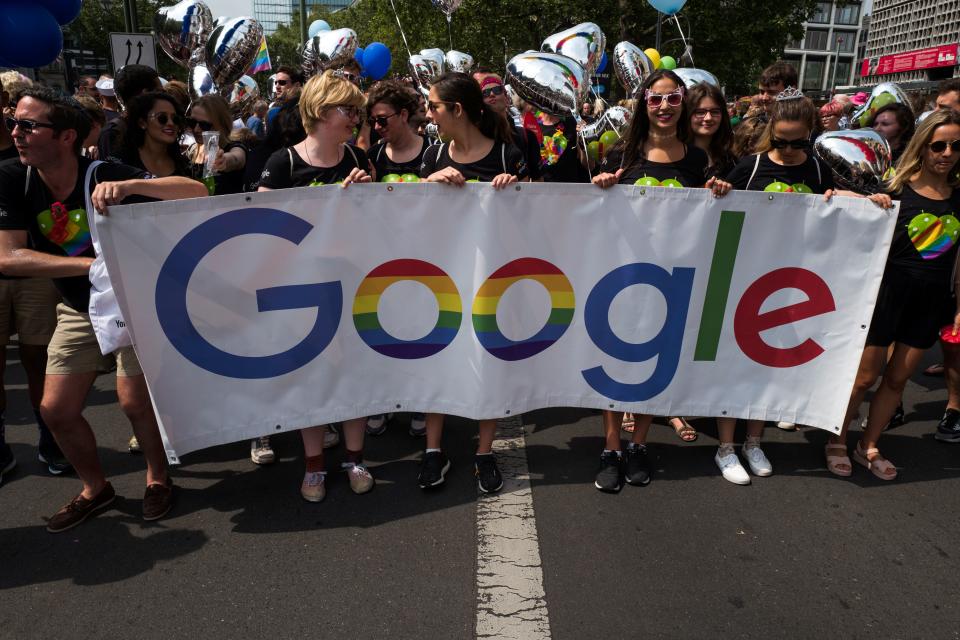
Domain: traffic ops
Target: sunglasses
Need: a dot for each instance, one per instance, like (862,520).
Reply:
(435,106)
(654,100)
(280,83)
(164,118)
(799,143)
(941,145)
(700,114)
(348,111)
(193,124)
(495,90)
(379,121)
(26,126)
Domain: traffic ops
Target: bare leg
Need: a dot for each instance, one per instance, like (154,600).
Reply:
(642,424)
(135,402)
(904,362)
(313,440)
(64,397)
(434,430)
(487,431)
(871,364)
(353,432)
(34,360)
(725,430)
(611,429)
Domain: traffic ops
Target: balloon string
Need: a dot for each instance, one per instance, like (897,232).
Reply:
(400,26)
(583,141)
(686,47)
(450,31)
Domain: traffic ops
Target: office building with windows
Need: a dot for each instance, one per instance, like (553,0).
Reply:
(273,13)
(826,56)
(912,43)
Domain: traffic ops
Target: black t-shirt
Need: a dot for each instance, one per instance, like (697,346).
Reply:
(224,183)
(503,158)
(559,161)
(111,139)
(9,153)
(280,174)
(57,228)
(385,166)
(925,239)
(131,158)
(690,171)
(527,142)
(811,172)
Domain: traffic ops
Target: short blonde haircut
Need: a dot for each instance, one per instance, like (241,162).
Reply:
(325,91)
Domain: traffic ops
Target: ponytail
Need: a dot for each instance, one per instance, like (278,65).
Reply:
(494,126)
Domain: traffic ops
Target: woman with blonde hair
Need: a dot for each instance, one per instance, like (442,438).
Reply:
(916,298)
(212,113)
(330,107)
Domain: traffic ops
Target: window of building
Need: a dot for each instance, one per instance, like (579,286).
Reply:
(821,14)
(813,74)
(817,39)
(846,40)
(847,14)
(842,73)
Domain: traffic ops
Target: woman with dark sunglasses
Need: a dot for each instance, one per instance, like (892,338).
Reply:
(654,147)
(152,140)
(479,148)
(400,150)
(212,113)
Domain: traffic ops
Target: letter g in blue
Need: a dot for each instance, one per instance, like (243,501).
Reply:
(171,297)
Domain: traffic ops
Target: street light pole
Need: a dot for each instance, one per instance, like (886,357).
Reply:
(836,63)
(303,21)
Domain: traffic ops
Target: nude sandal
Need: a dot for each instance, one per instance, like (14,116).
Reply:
(879,467)
(834,462)
(628,424)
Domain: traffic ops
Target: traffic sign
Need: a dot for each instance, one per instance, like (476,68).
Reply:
(132,48)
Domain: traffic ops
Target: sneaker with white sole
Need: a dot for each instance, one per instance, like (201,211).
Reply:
(418,425)
(787,426)
(361,480)
(731,468)
(331,437)
(314,486)
(261,452)
(376,425)
(759,464)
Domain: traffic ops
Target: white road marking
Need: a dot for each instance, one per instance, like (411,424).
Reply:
(511,602)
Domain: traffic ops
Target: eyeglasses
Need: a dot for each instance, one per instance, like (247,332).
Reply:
(379,121)
(349,111)
(435,106)
(495,90)
(799,143)
(941,145)
(193,124)
(654,100)
(164,118)
(346,75)
(26,126)
(700,114)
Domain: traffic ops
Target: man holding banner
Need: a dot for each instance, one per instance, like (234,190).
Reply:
(44,203)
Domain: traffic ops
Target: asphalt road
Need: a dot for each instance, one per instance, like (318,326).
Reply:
(798,555)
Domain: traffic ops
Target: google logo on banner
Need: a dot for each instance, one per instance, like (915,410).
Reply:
(750,319)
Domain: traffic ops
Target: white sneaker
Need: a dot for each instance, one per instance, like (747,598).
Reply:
(787,426)
(758,462)
(731,468)
(331,438)
(260,451)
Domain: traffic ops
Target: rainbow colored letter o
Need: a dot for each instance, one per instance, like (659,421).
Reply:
(488,297)
(367,321)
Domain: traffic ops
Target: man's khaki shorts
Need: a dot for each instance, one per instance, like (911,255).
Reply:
(28,307)
(74,348)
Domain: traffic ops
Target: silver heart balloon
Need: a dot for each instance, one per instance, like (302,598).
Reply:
(584,43)
(923,116)
(309,58)
(859,158)
(692,76)
(333,49)
(619,119)
(549,81)
(199,82)
(231,48)
(447,6)
(243,94)
(423,71)
(883,94)
(631,65)
(436,58)
(182,30)
(459,61)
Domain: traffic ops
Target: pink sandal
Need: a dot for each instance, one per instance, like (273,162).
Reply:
(834,462)
(880,467)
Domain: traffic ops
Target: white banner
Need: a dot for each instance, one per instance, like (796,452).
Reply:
(260,313)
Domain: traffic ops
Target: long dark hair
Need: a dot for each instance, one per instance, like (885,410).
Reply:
(639,130)
(905,119)
(462,89)
(135,136)
(721,143)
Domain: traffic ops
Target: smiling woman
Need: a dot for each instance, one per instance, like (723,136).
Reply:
(152,140)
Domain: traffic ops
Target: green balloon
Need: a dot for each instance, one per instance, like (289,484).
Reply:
(474,180)
(801,188)
(409,177)
(647,181)
(779,187)
(316,183)
(593,150)
(391,177)
(608,139)
(672,183)
(667,62)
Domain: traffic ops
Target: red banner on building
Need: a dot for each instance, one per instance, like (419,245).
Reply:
(942,56)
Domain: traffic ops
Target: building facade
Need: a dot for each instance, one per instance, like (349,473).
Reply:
(912,42)
(826,56)
(273,13)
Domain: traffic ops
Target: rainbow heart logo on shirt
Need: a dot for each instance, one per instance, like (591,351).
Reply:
(66,229)
(933,236)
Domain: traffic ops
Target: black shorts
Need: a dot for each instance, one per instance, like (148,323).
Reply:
(910,311)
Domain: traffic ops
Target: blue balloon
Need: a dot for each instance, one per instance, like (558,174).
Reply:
(668,7)
(603,63)
(317,26)
(376,60)
(358,56)
(64,11)
(29,34)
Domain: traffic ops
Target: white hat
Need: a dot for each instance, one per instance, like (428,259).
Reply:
(105,87)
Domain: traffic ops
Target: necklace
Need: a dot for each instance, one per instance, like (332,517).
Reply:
(657,136)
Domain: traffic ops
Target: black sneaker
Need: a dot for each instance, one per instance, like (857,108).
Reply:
(50,455)
(7,461)
(489,479)
(636,466)
(610,476)
(949,428)
(433,469)
(377,425)
(896,420)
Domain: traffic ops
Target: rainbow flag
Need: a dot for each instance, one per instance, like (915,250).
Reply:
(262,61)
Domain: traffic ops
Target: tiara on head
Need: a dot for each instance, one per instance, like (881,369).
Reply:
(789,93)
